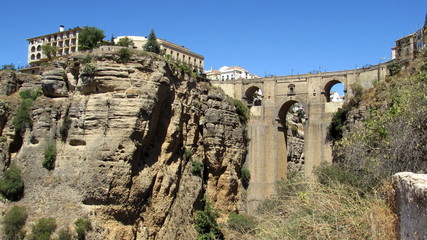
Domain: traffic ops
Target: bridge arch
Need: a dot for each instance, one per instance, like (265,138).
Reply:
(254,95)
(329,85)
(285,130)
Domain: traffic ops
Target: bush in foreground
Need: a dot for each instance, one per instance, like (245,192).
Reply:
(13,222)
(333,211)
(242,223)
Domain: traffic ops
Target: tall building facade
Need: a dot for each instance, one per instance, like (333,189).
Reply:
(65,40)
(176,52)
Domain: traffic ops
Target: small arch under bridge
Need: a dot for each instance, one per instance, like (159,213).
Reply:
(267,156)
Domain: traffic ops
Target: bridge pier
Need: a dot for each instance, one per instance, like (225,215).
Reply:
(267,155)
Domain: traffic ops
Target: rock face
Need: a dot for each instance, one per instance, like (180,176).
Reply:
(121,131)
(411,199)
(295,119)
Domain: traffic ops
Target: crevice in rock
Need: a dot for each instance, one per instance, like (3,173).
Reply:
(77,142)
(16,143)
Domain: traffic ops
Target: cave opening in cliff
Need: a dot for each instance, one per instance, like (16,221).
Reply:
(292,118)
(335,91)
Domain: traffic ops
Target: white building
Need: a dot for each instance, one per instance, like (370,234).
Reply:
(335,97)
(66,40)
(229,73)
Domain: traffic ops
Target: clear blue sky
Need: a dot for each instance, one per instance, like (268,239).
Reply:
(276,37)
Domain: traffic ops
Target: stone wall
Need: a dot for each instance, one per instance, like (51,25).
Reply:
(411,205)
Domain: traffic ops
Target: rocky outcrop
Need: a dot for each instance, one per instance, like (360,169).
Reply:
(121,131)
(411,202)
(11,81)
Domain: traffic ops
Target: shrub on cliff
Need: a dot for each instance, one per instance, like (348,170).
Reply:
(82,226)
(242,110)
(49,156)
(124,55)
(205,222)
(23,118)
(246,176)
(196,168)
(43,229)
(11,184)
(13,222)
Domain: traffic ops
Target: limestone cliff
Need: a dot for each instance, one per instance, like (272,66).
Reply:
(121,131)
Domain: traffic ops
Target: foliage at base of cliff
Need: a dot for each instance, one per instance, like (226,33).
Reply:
(393,136)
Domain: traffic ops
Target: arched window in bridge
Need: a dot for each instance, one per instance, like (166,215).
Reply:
(334,91)
(291,89)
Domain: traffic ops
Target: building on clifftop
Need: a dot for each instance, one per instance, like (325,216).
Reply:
(229,73)
(66,40)
(176,52)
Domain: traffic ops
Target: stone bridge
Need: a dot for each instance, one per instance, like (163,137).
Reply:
(267,156)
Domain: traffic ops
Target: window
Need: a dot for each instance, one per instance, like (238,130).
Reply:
(33,49)
(291,88)
(39,55)
(33,57)
(39,48)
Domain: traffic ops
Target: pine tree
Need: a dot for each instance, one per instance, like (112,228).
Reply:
(152,45)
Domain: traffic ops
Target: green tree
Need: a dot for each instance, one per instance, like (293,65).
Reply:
(49,50)
(152,45)
(89,37)
(8,67)
(125,42)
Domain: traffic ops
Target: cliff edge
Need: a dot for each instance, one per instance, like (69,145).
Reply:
(127,138)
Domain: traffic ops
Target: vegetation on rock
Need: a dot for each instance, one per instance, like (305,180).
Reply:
(242,110)
(82,226)
(124,55)
(196,168)
(49,156)
(13,222)
(43,229)
(245,176)
(23,118)
(206,224)
(11,184)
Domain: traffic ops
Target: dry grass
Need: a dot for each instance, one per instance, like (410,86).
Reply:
(315,211)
